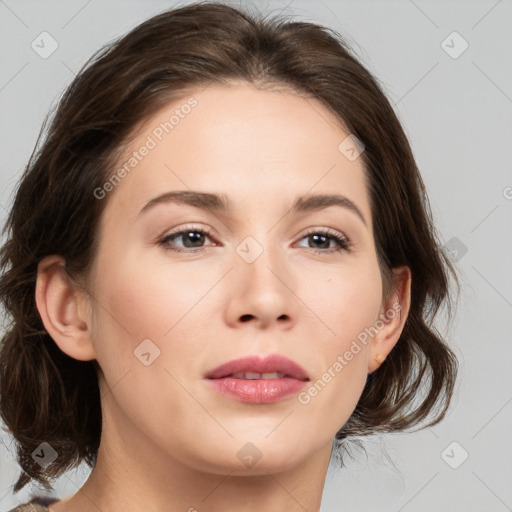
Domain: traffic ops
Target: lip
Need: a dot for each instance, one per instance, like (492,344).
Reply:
(258,391)
(258,364)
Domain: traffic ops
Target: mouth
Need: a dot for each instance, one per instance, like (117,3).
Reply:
(256,380)
(256,368)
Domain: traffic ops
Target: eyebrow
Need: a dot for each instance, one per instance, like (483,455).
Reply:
(221,202)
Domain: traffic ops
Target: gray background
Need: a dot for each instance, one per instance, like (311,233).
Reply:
(457,113)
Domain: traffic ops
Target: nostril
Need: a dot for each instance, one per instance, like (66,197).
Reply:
(245,318)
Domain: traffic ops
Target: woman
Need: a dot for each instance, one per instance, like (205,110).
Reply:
(222,369)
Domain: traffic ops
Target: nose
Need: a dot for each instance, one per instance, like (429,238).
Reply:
(261,293)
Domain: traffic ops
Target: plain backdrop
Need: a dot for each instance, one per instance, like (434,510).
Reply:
(447,68)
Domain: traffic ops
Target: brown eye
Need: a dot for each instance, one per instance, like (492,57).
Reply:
(324,238)
(191,238)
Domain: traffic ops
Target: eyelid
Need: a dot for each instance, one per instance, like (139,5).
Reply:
(328,231)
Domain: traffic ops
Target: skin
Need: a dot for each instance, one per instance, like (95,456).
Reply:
(170,442)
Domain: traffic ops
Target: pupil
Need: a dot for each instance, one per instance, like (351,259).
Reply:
(315,237)
(193,236)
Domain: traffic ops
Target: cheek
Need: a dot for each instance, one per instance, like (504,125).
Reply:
(145,299)
(348,303)
(349,306)
(158,302)
(136,304)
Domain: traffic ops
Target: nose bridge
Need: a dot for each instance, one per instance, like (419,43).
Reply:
(259,259)
(262,284)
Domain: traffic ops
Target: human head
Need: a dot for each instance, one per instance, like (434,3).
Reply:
(157,63)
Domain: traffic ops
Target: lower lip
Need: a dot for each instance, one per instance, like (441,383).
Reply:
(257,391)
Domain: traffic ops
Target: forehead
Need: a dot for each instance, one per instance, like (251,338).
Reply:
(246,143)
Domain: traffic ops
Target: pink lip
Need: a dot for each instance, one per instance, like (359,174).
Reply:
(255,364)
(258,391)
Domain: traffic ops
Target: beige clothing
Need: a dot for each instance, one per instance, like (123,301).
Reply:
(36,504)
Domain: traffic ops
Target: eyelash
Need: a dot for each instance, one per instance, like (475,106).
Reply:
(344,244)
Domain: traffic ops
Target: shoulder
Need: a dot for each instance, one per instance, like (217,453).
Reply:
(36,504)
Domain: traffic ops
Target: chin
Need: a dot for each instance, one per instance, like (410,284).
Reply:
(248,458)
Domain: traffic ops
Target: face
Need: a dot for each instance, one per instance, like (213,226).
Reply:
(181,288)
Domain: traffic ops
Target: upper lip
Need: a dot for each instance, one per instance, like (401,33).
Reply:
(258,364)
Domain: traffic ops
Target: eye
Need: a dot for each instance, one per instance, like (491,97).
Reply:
(323,237)
(191,237)
(193,240)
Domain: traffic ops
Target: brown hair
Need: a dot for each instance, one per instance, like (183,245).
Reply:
(47,396)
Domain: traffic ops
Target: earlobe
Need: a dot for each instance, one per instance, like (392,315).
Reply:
(57,301)
(392,318)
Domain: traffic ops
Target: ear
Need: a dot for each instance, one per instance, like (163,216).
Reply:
(64,309)
(392,317)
